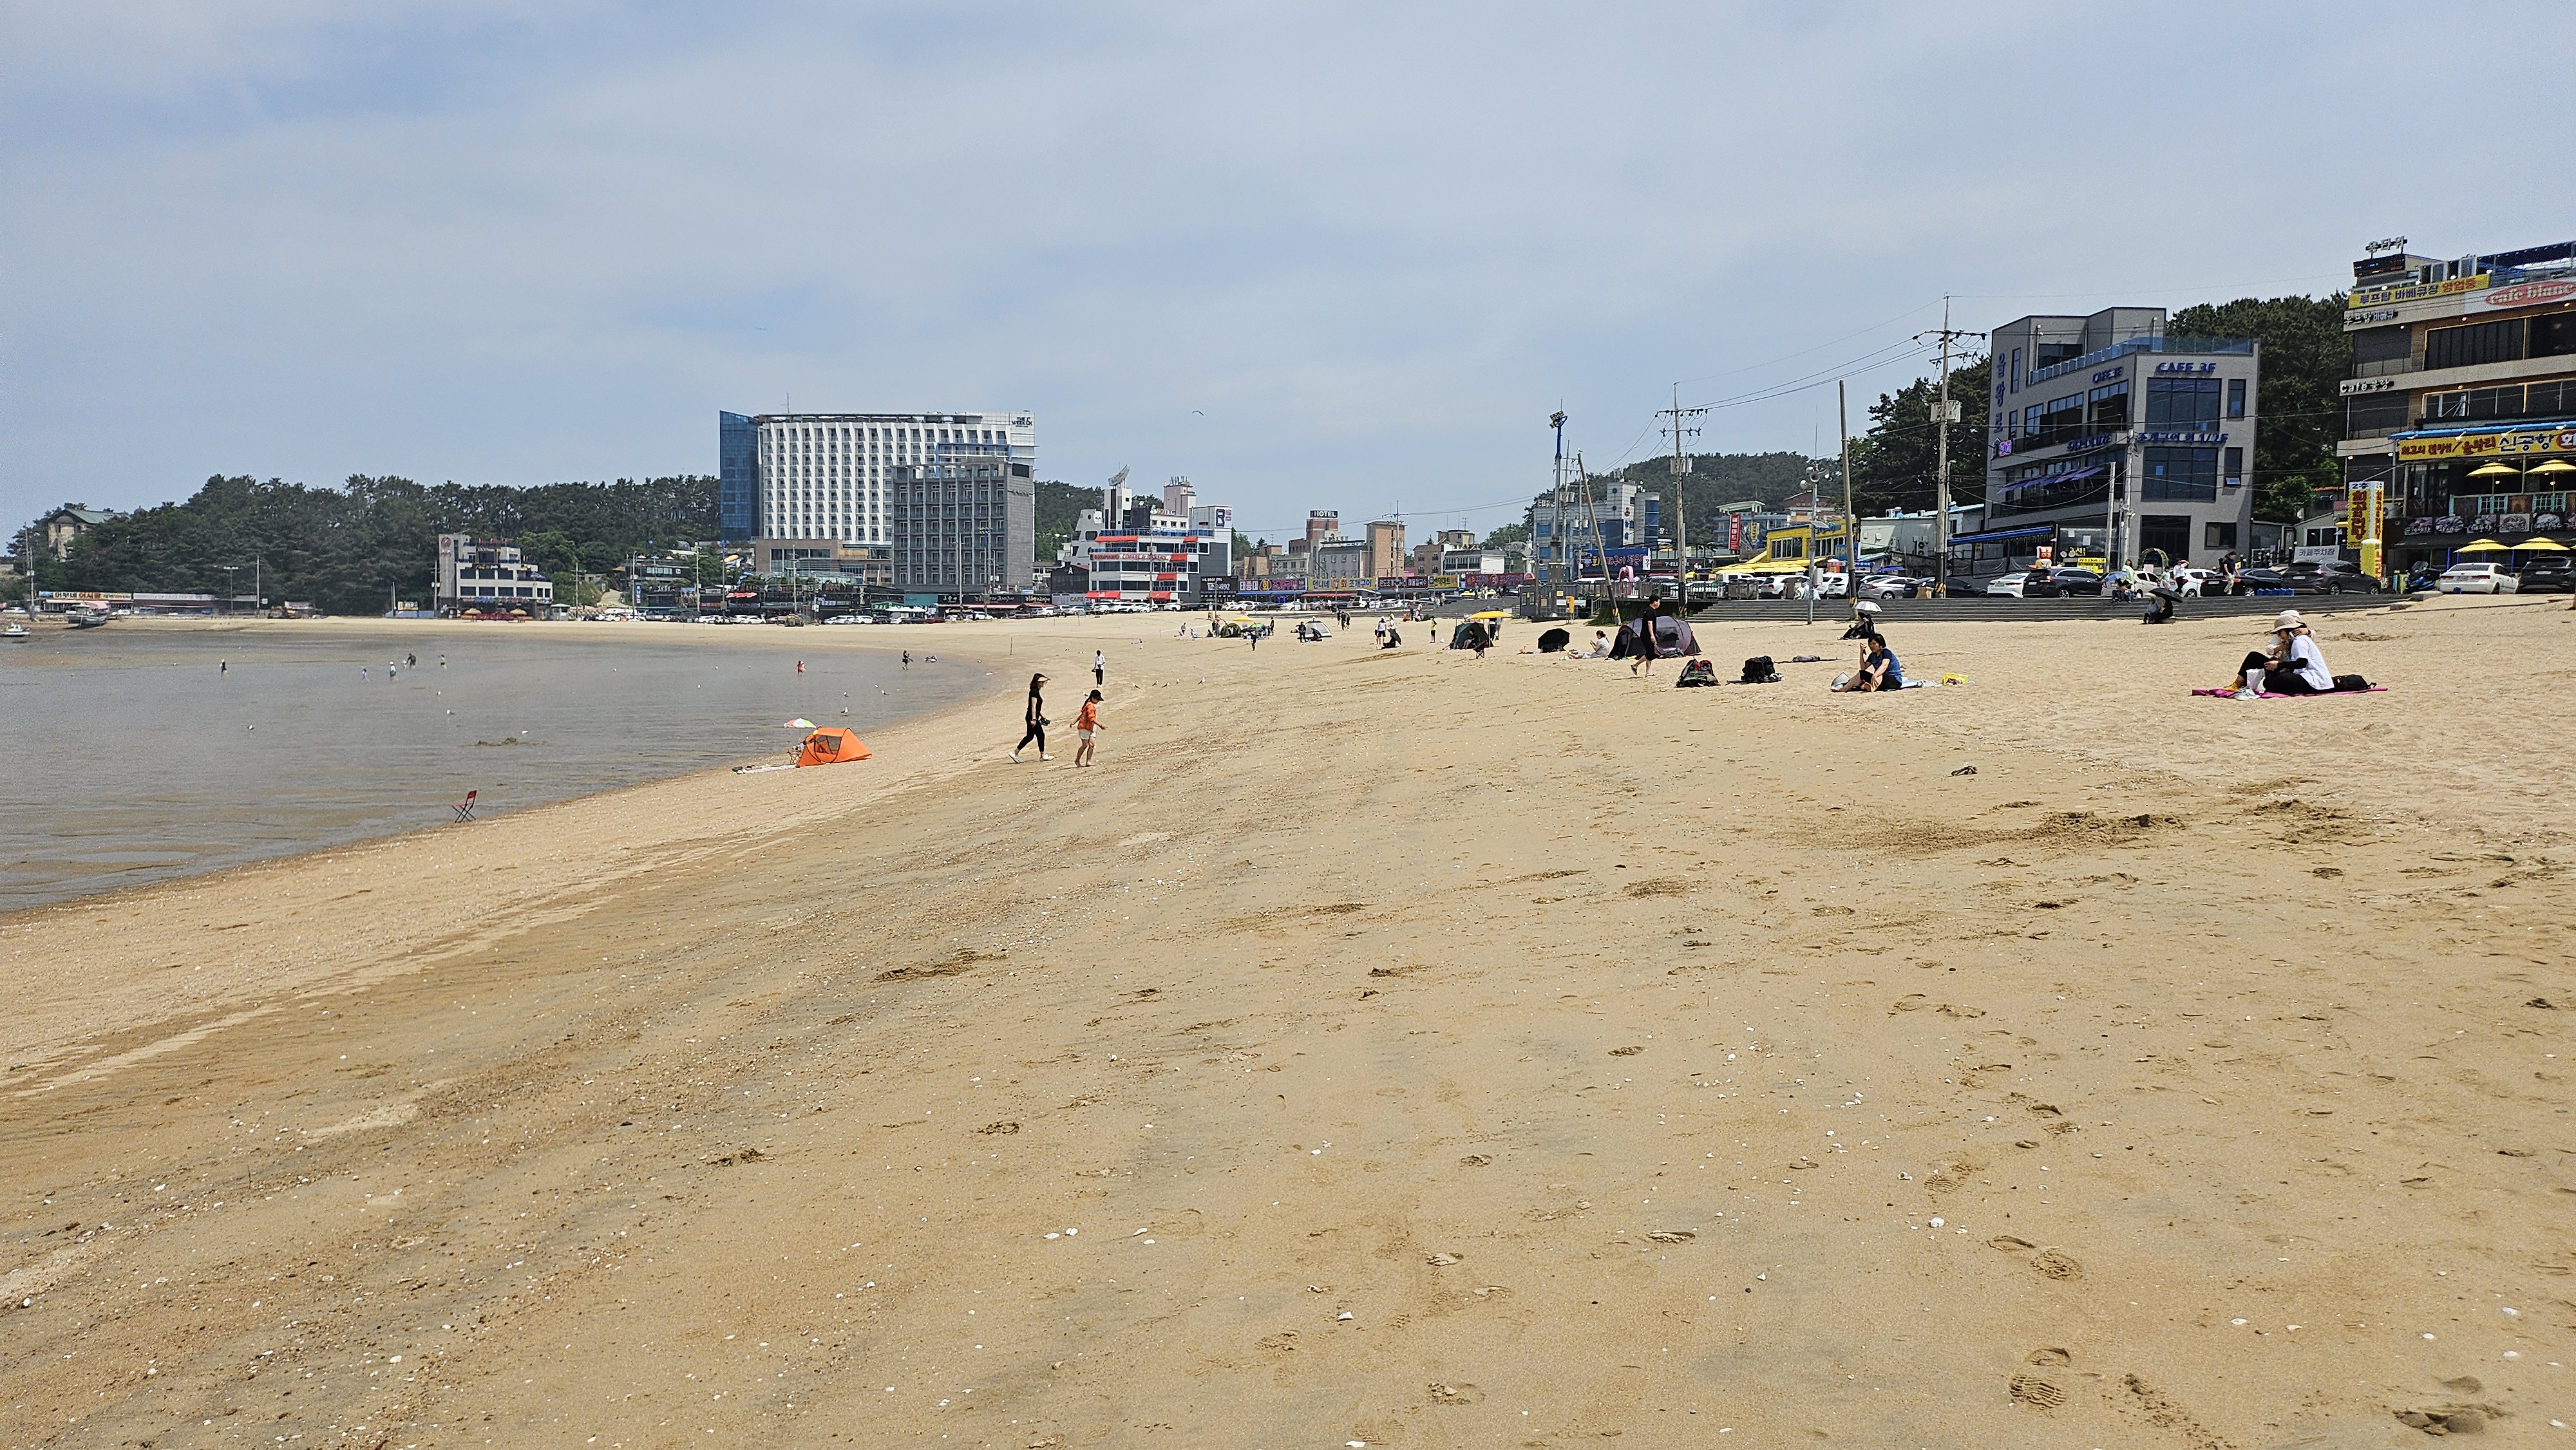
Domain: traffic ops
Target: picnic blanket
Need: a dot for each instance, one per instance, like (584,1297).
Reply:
(2268,695)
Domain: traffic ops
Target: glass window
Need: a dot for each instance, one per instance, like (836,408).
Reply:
(2234,472)
(2479,342)
(2218,536)
(2107,409)
(2554,335)
(2016,370)
(2181,474)
(2503,402)
(2183,404)
(2235,397)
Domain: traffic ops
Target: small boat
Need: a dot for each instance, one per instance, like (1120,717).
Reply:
(14,631)
(85,618)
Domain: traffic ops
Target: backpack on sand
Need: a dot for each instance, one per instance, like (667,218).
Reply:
(1758,671)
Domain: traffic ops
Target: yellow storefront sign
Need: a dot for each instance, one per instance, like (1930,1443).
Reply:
(2500,444)
(2416,292)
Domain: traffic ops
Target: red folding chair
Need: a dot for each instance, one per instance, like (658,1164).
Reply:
(465,808)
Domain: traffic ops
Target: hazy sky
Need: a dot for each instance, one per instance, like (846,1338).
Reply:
(1310,255)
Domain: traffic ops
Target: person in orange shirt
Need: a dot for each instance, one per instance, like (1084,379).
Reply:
(1086,722)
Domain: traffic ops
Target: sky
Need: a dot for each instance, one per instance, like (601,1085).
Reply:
(1309,255)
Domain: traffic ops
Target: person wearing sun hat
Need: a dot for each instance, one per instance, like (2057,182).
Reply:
(2293,666)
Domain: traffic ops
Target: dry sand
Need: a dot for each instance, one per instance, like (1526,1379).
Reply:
(1428,1052)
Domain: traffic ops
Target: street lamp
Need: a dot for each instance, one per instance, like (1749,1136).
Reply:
(232,590)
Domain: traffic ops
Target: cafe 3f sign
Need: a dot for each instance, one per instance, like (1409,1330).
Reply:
(2487,445)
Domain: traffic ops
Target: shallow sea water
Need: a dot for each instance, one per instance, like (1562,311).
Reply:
(132,757)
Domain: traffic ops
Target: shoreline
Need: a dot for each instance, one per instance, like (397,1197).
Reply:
(1370,1029)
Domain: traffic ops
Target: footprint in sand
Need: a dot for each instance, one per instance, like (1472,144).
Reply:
(2032,1390)
(1475,1160)
(1455,1394)
(2055,1264)
(2051,1357)
(2010,1244)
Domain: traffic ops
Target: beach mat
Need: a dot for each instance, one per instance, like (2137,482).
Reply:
(2268,695)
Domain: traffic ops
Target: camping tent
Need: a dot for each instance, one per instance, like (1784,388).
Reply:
(831,747)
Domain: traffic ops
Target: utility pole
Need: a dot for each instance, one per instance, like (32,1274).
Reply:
(1682,427)
(1851,521)
(1944,413)
(1556,498)
(1592,521)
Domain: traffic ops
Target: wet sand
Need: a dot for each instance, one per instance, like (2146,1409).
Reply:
(1385,1048)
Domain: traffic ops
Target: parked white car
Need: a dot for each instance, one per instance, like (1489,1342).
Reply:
(2192,583)
(2477,579)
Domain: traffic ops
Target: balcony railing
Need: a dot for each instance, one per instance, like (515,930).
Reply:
(2386,366)
(2140,344)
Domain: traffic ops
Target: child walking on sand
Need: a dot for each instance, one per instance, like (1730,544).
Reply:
(1086,722)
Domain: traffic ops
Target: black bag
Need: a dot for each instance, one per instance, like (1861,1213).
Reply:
(2350,683)
(1758,671)
(1695,674)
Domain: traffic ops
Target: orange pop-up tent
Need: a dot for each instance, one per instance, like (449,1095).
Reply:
(831,747)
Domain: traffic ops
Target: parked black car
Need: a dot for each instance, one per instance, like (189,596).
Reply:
(2305,577)
(2071,580)
(2549,574)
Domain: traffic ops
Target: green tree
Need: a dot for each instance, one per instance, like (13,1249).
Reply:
(1059,512)
(1507,535)
(346,549)
(1895,465)
(2299,410)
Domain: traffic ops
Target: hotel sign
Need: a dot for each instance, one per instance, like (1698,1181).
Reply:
(2355,387)
(2501,444)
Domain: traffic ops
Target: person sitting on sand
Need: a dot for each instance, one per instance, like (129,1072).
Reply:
(1879,669)
(2294,665)
(1600,646)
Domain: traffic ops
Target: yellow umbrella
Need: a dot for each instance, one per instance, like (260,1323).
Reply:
(1491,614)
(2483,546)
(2545,544)
(2555,466)
(2495,470)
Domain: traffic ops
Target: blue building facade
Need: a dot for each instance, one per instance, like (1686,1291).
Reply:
(737,478)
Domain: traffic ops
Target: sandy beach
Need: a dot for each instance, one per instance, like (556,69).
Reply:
(1384,1049)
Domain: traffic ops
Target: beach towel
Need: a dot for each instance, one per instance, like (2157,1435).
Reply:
(2268,695)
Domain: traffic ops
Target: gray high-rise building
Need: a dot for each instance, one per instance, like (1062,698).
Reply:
(964,525)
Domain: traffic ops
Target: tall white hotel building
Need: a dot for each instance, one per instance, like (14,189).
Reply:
(827,475)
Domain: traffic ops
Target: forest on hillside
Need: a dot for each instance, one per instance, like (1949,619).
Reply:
(349,549)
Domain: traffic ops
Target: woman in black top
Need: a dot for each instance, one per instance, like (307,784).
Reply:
(1036,718)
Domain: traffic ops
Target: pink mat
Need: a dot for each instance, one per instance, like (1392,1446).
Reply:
(2268,695)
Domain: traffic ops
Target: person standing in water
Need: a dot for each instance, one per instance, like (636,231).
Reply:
(1086,723)
(907,659)
(1035,719)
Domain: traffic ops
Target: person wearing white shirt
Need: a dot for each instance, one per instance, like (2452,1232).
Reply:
(2295,666)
